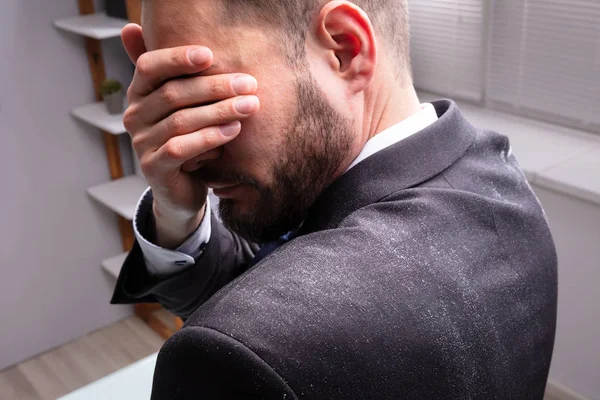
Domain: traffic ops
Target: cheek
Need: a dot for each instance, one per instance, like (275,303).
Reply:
(277,94)
(334,89)
(261,139)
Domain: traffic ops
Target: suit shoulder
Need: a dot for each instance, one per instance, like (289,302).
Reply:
(222,367)
(389,286)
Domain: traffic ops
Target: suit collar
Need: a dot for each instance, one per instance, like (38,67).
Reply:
(400,131)
(403,165)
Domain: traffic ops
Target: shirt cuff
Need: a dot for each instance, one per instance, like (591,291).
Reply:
(160,261)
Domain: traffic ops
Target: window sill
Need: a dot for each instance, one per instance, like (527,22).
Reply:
(553,157)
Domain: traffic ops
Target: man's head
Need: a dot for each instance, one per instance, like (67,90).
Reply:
(324,71)
(293,18)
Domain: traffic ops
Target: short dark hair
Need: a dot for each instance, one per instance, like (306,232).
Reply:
(389,19)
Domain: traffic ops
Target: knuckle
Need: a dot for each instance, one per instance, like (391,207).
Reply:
(137,142)
(130,93)
(218,87)
(146,166)
(213,138)
(208,138)
(223,110)
(173,149)
(169,94)
(144,65)
(129,118)
(179,57)
(177,123)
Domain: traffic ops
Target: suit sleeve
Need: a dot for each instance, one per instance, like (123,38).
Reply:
(224,258)
(199,362)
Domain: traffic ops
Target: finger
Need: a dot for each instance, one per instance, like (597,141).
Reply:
(197,162)
(179,149)
(189,120)
(187,92)
(133,41)
(153,68)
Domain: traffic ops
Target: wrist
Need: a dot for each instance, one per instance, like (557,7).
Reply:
(174,227)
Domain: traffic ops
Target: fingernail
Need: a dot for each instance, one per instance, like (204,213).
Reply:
(199,55)
(243,84)
(230,129)
(246,105)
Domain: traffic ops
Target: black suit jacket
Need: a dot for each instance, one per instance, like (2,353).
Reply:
(427,271)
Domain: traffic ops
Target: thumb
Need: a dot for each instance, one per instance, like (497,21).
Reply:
(133,40)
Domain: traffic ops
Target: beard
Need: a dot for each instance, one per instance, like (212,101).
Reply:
(316,143)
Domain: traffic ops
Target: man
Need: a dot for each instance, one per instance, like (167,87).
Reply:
(404,255)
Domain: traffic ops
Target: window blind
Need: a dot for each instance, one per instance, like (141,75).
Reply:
(447,47)
(545,60)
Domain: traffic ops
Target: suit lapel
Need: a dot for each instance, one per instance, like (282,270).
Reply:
(400,166)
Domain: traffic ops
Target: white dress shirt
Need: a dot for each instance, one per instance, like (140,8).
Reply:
(160,261)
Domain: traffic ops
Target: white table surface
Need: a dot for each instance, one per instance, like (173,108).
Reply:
(133,382)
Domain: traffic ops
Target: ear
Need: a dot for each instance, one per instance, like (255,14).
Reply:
(344,35)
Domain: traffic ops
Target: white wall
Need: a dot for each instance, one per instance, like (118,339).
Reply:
(52,235)
(575,226)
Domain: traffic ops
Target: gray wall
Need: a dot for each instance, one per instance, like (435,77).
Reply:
(52,235)
(575,226)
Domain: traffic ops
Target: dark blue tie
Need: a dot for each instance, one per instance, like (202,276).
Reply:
(270,247)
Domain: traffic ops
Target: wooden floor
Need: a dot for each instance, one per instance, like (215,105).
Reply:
(78,363)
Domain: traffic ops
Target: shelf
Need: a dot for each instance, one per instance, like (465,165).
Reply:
(97,26)
(96,115)
(121,195)
(113,265)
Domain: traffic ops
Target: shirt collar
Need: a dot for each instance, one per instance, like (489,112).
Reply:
(394,134)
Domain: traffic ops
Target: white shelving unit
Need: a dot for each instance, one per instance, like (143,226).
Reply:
(97,26)
(121,195)
(123,192)
(96,115)
(113,265)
